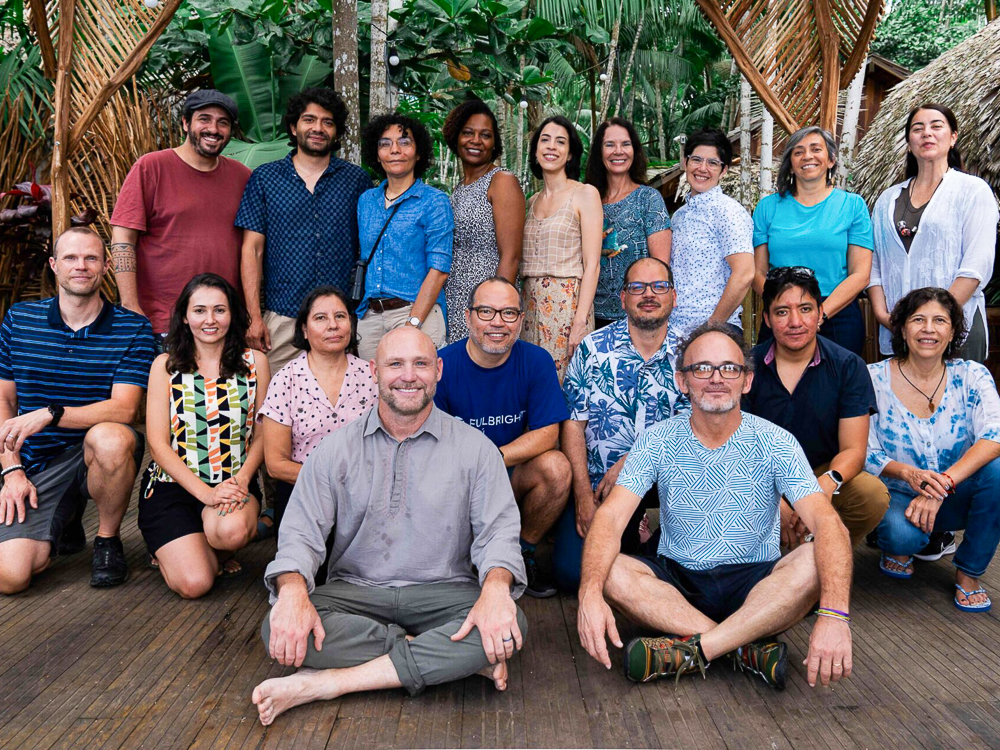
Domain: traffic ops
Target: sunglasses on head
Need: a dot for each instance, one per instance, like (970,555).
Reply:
(782,272)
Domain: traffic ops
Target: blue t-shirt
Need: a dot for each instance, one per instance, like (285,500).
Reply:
(813,236)
(503,402)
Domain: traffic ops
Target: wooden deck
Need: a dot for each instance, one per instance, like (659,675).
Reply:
(136,666)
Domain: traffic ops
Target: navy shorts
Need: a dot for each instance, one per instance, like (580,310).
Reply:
(716,592)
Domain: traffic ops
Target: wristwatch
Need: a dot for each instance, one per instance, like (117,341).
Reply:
(837,477)
(415,321)
(56,410)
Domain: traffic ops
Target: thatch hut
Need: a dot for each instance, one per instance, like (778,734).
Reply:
(966,79)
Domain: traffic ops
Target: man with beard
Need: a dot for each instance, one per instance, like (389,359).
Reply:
(174,215)
(718,584)
(619,383)
(73,369)
(508,389)
(300,222)
(425,565)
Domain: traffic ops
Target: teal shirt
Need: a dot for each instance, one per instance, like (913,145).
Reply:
(813,236)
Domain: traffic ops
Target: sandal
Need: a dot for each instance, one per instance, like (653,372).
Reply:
(229,569)
(981,607)
(897,569)
(265,530)
(152,563)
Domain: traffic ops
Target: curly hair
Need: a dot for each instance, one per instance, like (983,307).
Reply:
(326,98)
(597,173)
(180,346)
(575,147)
(913,302)
(460,115)
(299,340)
(376,127)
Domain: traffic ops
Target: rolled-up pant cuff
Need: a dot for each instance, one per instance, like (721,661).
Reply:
(406,667)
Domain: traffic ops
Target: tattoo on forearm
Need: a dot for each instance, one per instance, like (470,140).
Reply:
(123,257)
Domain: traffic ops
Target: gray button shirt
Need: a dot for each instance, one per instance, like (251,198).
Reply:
(424,510)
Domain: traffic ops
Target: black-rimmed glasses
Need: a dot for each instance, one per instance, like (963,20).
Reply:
(639,287)
(705,370)
(486,313)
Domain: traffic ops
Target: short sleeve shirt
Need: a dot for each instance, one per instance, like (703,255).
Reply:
(49,363)
(297,400)
(719,507)
(834,386)
(503,402)
(709,228)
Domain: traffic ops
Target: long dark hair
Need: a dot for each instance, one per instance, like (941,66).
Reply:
(575,147)
(913,302)
(954,155)
(299,340)
(180,345)
(597,173)
(460,115)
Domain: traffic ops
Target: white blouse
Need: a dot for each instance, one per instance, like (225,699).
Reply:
(956,238)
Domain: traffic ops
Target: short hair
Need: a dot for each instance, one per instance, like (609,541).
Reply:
(711,137)
(785,176)
(460,115)
(86,231)
(575,147)
(954,155)
(783,278)
(376,127)
(913,302)
(299,340)
(597,173)
(324,97)
(493,279)
(724,328)
(628,270)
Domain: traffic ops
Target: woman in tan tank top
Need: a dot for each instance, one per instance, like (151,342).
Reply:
(562,245)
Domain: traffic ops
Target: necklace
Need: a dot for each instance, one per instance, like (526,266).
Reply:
(909,222)
(930,399)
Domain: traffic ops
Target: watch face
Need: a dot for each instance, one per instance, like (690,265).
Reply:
(836,476)
(415,321)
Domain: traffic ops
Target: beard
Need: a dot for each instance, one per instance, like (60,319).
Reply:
(302,141)
(714,407)
(202,149)
(648,322)
(388,396)
(480,340)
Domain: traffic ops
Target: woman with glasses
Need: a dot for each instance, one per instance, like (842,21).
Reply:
(712,253)
(405,228)
(489,210)
(636,222)
(809,222)
(560,262)
(937,227)
(935,442)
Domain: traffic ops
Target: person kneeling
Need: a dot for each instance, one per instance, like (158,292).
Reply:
(203,394)
(718,585)
(402,605)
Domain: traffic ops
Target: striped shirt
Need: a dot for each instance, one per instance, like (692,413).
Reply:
(50,363)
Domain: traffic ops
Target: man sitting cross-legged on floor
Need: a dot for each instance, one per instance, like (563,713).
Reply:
(509,389)
(72,372)
(414,500)
(718,583)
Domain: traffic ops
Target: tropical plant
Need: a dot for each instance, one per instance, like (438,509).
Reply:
(916,32)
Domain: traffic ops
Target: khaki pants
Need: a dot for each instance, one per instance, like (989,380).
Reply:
(861,503)
(282,331)
(374,326)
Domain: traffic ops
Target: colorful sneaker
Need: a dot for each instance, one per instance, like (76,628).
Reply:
(766,658)
(651,658)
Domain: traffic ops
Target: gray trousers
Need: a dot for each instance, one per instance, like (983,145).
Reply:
(364,622)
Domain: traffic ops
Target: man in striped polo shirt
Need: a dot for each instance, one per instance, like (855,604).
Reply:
(73,369)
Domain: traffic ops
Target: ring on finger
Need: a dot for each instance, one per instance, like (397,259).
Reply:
(508,639)
(923,485)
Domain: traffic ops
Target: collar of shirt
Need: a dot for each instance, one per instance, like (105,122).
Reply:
(623,339)
(101,324)
(334,165)
(416,190)
(817,357)
(432,425)
(695,198)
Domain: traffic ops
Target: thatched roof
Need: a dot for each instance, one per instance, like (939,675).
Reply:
(967,79)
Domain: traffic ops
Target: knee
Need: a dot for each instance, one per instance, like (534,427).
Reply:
(556,472)
(192,584)
(231,534)
(805,569)
(14,582)
(989,475)
(618,583)
(110,444)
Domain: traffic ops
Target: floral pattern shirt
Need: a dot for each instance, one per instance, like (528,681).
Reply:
(969,412)
(618,394)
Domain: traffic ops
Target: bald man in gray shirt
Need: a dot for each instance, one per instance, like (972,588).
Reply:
(417,503)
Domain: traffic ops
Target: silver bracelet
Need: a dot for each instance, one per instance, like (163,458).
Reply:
(9,469)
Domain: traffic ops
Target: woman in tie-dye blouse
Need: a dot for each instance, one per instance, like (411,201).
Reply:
(935,442)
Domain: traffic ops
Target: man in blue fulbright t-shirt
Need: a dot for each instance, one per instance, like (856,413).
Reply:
(719,582)
(508,388)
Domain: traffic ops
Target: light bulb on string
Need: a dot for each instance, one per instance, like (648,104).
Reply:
(394,60)
(603,76)
(523,104)
(151,3)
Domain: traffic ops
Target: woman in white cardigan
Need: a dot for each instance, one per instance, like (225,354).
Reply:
(937,228)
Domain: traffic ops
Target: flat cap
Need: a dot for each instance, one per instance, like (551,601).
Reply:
(211,98)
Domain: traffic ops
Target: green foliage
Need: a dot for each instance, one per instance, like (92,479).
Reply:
(917,31)
(21,74)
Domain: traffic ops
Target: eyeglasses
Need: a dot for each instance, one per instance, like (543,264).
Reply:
(697,161)
(639,287)
(386,143)
(705,370)
(486,314)
(786,271)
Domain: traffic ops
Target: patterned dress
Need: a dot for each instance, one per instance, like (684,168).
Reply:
(475,255)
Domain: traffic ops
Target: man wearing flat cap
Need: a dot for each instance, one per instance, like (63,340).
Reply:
(175,214)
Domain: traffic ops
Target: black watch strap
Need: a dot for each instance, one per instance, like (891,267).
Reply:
(56,410)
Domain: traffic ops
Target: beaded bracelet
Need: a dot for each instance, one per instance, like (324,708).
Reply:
(834,613)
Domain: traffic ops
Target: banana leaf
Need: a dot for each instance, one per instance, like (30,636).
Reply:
(20,74)
(252,155)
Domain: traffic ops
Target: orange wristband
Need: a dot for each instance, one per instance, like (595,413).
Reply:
(953,482)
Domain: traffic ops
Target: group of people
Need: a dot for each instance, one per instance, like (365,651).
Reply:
(502,372)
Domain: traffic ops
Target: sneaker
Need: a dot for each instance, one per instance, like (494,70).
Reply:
(73,538)
(766,658)
(539,585)
(940,544)
(109,567)
(651,658)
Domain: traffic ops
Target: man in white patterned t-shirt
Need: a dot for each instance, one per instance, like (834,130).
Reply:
(718,585)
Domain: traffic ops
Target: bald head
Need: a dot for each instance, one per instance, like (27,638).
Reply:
(407,369)
(404,340)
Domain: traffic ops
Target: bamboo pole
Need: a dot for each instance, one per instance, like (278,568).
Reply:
(745,141)
(39,20)
(860,52)
(850,133)
(63,96)
(829,45)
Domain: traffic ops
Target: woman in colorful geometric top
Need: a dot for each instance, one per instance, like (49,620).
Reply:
(200,497)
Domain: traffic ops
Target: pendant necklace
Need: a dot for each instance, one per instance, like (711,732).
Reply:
(930,399)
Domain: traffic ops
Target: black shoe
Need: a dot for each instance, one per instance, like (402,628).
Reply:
(73,538)
(940,544)
(538,584)
(109,568)
(872,539)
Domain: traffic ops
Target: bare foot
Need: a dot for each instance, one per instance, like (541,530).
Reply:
(496,672)
(969,583)
(274,697)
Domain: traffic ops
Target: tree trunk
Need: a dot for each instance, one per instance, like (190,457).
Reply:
(849,136)
(660,128)
(745,157)
(345,74)
(593,101)
(631,57)
(991,10)
(610,71)
(766,153)
(378,93)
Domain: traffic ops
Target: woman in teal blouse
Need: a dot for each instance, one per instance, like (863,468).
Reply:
(810,223)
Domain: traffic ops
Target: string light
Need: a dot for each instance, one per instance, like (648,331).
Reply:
(603,76)
(151,3)
(394,60)
(523,104)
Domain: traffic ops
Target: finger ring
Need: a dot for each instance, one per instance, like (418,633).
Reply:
(839,664)
(508,639)
(923,485)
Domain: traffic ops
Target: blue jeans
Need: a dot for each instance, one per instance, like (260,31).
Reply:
(975,507)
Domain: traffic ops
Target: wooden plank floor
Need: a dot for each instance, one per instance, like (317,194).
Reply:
(136,666)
